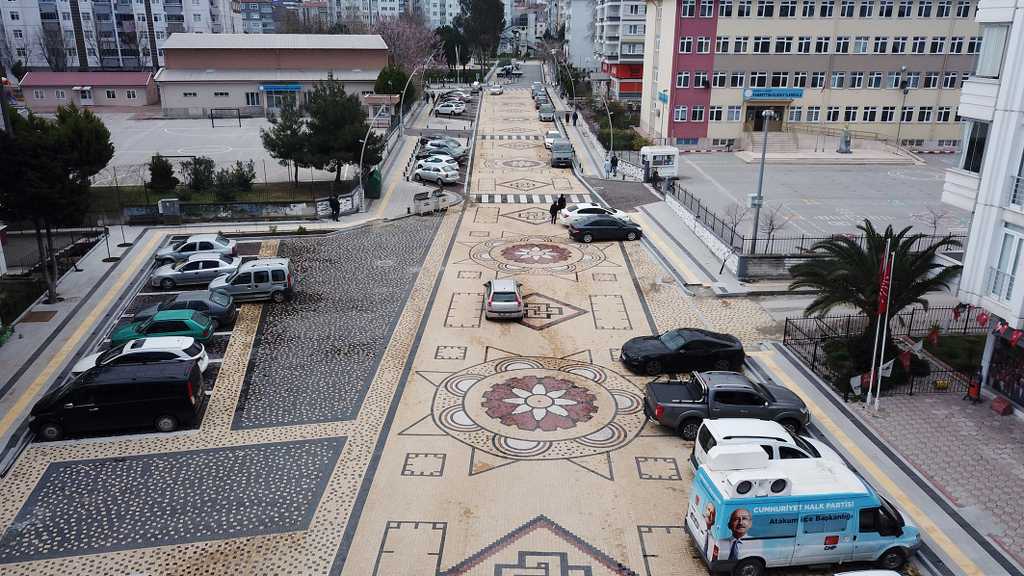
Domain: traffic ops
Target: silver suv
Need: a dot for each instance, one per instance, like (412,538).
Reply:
(180,251)
(503,299)
(265,279)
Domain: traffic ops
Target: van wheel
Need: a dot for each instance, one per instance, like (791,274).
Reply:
(791,426)
(167,284)
(587,238)
(166,423)
(277,297)
(631,236)
(892,559)
(51,431)
(749,567)
(688,429)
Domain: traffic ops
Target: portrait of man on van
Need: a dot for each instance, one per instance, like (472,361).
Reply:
(739,543)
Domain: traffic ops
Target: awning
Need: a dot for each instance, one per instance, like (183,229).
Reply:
(281,87)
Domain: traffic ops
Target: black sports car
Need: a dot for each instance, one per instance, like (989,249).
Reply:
(683,350)
(599,227)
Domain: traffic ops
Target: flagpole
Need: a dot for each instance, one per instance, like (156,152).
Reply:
(885,330)
(878,325)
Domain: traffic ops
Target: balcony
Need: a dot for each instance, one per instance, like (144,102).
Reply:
(999,284)
(1015,192)
(978,98)
(629,57)
(960,188)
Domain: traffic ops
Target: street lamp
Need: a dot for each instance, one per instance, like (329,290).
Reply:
(611,129)
(904,88)
(401,102)
(757,200)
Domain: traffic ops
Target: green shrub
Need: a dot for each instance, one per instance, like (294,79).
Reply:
(199,172)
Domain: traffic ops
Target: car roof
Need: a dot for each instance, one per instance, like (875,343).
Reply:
(725,378)
(205,256)
(550,132)
(160,343)
(709,335)
(192,295)
(174,315)
(579,205)
(726,428)
(139,373)
(200,237)
(264,263)
(807,477)
(503,285)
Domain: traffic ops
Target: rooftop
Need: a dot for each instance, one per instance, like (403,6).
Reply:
(86,79)
(268,75)
(195,41)
(807,476)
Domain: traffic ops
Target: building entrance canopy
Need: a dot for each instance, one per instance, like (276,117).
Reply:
(281,87)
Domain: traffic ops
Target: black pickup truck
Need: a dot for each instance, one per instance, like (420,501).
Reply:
(683,404)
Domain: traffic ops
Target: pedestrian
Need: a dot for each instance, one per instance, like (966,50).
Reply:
(561,201)
(566,117)
(615,164)
(574,116)
(335,207)
(654,179)
(554,211)
(607,166)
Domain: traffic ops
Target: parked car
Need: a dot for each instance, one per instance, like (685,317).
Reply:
(439,161)
(541,101)
(162,396)
(436,174)
(217,305)
(264,279)
(166,323)
(198,269)
(424,152)
(459,94)
(439,138)
(450,108)
(180,251)
(682,350)
(682,405)
(503,299)
(561,153)
(589,228)
(495,89)
(546,113)
(146,351)
(550,136)
(454,150)
(772,437)
(574,212)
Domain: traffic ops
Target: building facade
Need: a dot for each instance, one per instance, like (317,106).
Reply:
(988,180)
(888,69)
(45,91)
(97,34)
(257,74)
(578,47)
(619,34)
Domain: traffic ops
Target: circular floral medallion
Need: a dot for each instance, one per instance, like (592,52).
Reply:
(547,403)
(536,255)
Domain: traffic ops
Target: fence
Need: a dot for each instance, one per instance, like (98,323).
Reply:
(764,245)
(21,249)
(814,339)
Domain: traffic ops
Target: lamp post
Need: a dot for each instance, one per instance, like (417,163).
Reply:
(611,129)
(903,103)
(757,200)
(362,153)
(401,102)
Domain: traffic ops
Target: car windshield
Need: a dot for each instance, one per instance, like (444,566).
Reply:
(225,259)
(194,349)
(222,240)
(673,339)
(554,134)
(200,318)
(573,207)
(806,446)
(219,298)
(109,355)
(561,147)
(503,297)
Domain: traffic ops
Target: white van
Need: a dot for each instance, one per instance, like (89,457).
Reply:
(771,436)
(748,513)
(664,159)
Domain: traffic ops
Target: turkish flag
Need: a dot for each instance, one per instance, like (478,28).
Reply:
(933,336)
(983,318)
(905,360)
(885,273)
(1015,337)
(1001,329)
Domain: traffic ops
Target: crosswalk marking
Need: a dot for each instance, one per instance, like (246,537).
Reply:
(527,198)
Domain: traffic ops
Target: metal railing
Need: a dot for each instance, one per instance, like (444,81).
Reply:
(999,283)
(1015,192)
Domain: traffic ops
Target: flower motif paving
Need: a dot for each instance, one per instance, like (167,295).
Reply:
(537,255)
(546,403)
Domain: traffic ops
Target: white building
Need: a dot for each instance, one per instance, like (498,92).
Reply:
(579,35)
(989,181)
(441,12)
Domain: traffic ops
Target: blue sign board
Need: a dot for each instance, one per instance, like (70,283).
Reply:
(773,93)
(281,87)
(663,96)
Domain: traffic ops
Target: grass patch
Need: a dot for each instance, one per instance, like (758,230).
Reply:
(105,198)
(963,353)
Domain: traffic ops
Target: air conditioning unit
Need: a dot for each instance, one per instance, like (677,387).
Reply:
(745,485)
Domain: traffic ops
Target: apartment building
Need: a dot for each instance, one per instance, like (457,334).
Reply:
(578,47)
(889,69)
(619,45)
(105,34)
(988,180)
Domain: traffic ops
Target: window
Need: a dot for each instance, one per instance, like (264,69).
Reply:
(938,45)
(856,80)
(827,7)
(60,94)
(758,79)
(817,79)
(846,9)
(850,114)
(715,114)
(765,8)
(888,113)
(924,8)
(931,80)
(787,9)
(796,113)
(15,16)
(743,8)
(803,45)
(899,45)
(913,80)
(808,9)
(762,44)
(838,79)
(1001,276)
(949,79)
(821,44)
(866,7)
(722,44)
(870,113)
(874,80)
(707,8)
(197,17)
(739,45)
(860,45)
(679,114)
(799,79)
(783,44)
(892,80)
(719,80)
(906,8)
(682,80)
(697,113)
(700,79)
(65,15)
(733,114)
(924,114)
(38,94)
(18,33)
(956,44)
(111,95)
(990,61)
(917,44)
(130,94)
(963,8)
(906,114)
(686,45)
(943,9)
(974,44)
(832,114)
(736,79)
(189,94)
(780,79)
(814,113)
(885,8)
(703,45)
(725,9)
(221,94)
(687,8)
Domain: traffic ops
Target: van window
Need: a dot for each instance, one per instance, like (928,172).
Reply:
(277,275)
(242,279)
(206,245)
(706,439)
(768,450)
(806,446)
(261,277)
(868,520)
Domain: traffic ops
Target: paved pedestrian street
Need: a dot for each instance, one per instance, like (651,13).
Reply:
(378,424)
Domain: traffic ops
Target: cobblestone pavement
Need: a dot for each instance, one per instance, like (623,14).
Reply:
(969,453)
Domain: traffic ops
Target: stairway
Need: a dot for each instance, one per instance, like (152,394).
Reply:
(777,142)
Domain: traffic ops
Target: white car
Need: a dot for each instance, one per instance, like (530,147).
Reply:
(573,212)
(496,89)
(145,350)
(550,137)
(436,174)
(446,149)
(456,94)
(450,108)
(771,436)
(440,161)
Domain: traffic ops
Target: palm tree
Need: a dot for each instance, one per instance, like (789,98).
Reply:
(847,273)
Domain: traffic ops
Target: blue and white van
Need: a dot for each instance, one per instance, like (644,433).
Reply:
(748,513)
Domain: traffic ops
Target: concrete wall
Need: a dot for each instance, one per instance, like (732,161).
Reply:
(720,249)
(176,105)
(251,59)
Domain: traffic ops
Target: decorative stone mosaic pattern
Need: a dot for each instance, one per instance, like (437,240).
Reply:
(88,506)
(314,356)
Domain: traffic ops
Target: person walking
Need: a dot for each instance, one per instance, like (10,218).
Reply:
(574,116)
(607,167)
(615,164)
(561,201)
(335,207)
(553,209)
(566,117)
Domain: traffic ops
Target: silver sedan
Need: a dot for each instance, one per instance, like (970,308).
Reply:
(198,269)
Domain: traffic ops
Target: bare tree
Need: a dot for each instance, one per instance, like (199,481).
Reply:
(772,221)
(54,49)
(735,214)
(935,216)
(408,38)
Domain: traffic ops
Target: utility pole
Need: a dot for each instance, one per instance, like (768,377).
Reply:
(903,103)
(757,200)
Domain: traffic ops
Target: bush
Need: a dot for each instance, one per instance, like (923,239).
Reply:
(223,185)
(243,174)
(199,172)
(161,175)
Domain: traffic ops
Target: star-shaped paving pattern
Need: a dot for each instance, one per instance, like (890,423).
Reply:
(525,184)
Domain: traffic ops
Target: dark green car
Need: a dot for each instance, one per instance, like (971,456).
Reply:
(167,323)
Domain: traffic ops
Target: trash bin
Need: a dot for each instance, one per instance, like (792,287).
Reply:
(423,203)
(371,188)
(440,198)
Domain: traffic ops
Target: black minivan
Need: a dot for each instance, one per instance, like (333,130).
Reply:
(163,395)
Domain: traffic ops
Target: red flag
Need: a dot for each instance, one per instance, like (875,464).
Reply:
(1015,337)
(983,318)
(905,360)
(933,336)
(883,285)
(958,310)
(1001,329)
